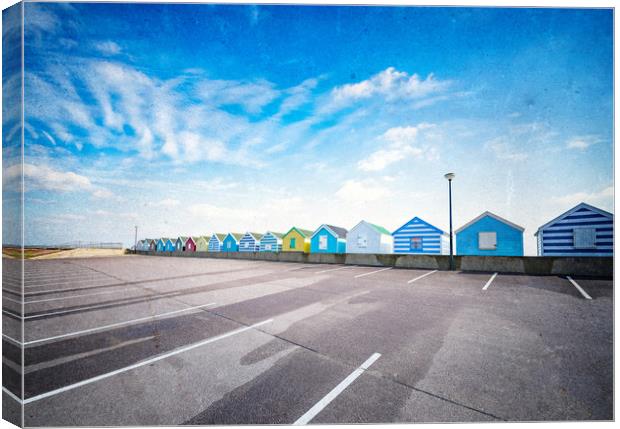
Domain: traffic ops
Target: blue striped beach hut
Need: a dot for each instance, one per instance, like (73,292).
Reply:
(271,242)
(215,242)
(584,230)
(250,242)
(420,237)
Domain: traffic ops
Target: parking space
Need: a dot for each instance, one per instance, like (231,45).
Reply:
(211,341)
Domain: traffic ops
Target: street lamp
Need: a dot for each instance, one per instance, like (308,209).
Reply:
(450,176)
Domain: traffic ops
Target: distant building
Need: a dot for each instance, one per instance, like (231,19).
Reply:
(231,242)
(202,243)
(169,245)
(366,237)
(250,242)
(489,235)
(179,245)
(153,245)
(329,239)
(216,241)
(296,240)
(420,237)
(161,244)
(190,245)
(271,242)
(584,230)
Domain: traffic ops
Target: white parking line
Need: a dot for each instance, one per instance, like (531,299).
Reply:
(140,364)
(114,325)
(335,269)
(583,292)
(11,394)
(372,272)
(422,276)
(69,297)
(319,406)
(489,282)
(12,340)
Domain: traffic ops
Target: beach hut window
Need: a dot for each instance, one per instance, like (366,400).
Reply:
(246,244)
(361,240)
(293,240)
(487,240)
(584,238)
(323,242)
(416,243)
(267,246)
(228,244)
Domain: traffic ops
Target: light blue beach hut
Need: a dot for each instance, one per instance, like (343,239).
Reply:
(328,239)
(231,242)
(489,235)
(170,245)
(584,230)
(161,244)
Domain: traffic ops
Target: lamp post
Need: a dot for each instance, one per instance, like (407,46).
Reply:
(135,246)
(450,176)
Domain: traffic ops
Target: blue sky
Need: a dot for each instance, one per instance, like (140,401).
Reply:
(192,119)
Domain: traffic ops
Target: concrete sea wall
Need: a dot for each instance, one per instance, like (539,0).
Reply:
(532,265)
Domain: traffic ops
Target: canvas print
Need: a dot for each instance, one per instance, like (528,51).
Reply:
(220,214)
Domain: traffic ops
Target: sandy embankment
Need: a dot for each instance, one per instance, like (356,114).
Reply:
(82,253)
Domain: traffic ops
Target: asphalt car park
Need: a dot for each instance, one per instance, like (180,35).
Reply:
(144,340)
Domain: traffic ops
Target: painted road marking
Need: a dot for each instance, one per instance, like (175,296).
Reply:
(11,394)
(489,282)
(129,301)
(13,340)
(335,269)
(140,364)
(319,406)
(70,297)
(583,292)
(114,325)
(372,272)
(422,276)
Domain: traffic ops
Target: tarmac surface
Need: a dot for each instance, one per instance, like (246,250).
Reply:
(145,340)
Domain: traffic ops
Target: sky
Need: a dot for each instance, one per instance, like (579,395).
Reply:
(194,119)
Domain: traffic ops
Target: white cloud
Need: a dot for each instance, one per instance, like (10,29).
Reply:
(108,47)
(603,197)
(362,191)
(103,193)
(583,142)
(392,85)
(43,177)
(252,96)
(400,145)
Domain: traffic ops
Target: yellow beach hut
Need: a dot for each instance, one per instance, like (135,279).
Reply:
(296,240)
(202,243)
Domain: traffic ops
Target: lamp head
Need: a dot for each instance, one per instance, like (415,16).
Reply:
(449,176)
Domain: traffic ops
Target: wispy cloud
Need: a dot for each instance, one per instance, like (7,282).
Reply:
(362,191)
(400,144)
(108,47)
(601,197)
(583,142)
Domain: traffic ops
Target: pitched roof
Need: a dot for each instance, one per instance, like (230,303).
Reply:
(276,234)
(574,209)
(164,239)
(220,236)
(183,238)
(236,235)
(203,237)
(380,229)
(302,232)
(335,230)
(421,220)
(494,216)
(256,235)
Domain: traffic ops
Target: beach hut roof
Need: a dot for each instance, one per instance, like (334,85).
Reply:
(183,238)
(379,228)
(220,236)
(236,235)
(302,232)
(256,235)
(335,230)
(277,234)
(494,216)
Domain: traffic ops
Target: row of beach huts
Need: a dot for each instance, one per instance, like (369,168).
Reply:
(584,230)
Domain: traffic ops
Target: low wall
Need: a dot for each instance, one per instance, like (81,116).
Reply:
(532,265)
